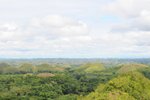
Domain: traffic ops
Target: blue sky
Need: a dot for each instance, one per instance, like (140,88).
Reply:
(74,28)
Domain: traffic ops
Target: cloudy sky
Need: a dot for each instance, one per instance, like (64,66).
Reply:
(74,28)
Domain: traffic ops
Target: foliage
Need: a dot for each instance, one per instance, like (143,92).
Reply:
(131,67)
(130,86)
(91,67)
(90,81)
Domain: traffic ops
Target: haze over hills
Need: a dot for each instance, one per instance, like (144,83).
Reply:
(78,60)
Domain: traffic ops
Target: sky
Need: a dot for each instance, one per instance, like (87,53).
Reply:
(74,28)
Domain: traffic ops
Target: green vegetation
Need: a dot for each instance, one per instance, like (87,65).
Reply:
(129,86)
(131,67)
(91,67)
(87,81)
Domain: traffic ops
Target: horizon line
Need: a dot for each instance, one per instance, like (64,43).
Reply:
(74,58)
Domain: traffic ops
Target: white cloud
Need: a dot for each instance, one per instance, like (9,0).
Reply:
(134,30)
(136,14)
(44,36)
(127,8)
(60,26)
(59,36)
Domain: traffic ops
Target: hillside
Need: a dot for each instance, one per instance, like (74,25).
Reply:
(91,67)
(131,67)
(129,86)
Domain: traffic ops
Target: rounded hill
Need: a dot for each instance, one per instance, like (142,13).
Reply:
(131,67)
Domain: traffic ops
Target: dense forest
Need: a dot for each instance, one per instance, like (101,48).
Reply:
(75,80)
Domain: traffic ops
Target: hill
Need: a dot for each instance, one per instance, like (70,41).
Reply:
(91,67)
(129,86)
(131,67)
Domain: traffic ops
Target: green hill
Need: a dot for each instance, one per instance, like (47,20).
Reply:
(130,67)
(129,86)
(91,67)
